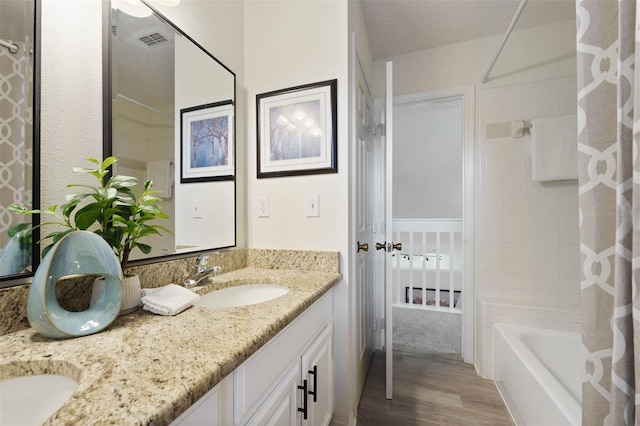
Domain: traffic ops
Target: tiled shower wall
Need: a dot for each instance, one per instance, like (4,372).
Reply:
(528,238)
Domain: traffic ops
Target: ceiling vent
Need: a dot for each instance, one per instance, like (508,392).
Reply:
(154,40)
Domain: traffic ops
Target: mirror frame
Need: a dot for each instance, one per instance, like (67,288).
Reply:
(107,147)
(17,279)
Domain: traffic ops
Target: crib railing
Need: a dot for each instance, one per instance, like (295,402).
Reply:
(427,272)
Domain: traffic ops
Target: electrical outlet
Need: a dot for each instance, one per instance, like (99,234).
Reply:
(263,206)
(313,206)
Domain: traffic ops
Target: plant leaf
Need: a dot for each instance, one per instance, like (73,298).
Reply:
(107,162)
(145,248)
(87,216)
(17,227)
(46,249)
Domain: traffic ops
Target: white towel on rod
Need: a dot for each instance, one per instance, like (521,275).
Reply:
(554,148)
(168,300)
(161,174)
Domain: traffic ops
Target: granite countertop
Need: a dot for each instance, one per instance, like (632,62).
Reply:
(148,369)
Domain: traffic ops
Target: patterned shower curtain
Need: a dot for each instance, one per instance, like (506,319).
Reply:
(16,111)
(608,145)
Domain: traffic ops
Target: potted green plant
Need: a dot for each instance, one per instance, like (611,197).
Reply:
(114,209)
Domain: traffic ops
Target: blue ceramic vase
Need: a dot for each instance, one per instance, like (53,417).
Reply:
(15,257)
(80,252)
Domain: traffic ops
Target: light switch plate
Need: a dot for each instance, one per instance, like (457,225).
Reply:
(313,206)
(263,206)
(197,214)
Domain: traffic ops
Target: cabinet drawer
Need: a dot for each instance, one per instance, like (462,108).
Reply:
(258,375)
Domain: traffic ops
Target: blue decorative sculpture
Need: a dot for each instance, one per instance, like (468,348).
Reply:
(79,252)
(15,256)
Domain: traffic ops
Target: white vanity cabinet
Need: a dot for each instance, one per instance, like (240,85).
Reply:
(214,408)
(288,376)
(304,396)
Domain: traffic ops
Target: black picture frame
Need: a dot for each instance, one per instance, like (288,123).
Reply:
(207,128)
(297,130)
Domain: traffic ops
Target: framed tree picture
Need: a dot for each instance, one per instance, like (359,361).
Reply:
(297,130)
(207,142)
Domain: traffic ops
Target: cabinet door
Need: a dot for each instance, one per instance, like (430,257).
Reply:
(317,369)
(281,408)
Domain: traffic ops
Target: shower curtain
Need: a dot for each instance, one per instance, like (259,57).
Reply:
(608,145)
(16,111)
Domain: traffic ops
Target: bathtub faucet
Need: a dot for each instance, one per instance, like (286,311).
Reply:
(202,272)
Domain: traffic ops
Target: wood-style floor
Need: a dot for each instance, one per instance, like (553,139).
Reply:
(437,389)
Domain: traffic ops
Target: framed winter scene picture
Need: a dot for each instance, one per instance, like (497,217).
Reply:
(296,130)
(207,142)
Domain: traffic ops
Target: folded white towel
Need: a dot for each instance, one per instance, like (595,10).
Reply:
(161,173)
(554,148)
(168,300)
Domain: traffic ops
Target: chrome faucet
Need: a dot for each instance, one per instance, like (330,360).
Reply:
(202,272)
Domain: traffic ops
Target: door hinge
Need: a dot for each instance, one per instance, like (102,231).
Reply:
(382,128)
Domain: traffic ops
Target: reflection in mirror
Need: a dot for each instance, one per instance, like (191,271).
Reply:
(19,137)
(157,73)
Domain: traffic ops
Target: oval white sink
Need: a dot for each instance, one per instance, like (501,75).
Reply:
(30,400)
(241,295)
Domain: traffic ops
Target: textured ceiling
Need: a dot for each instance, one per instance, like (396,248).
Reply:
(139,72)
(402,26)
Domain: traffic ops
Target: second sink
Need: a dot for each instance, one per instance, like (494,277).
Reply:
(30,400)
(241,295)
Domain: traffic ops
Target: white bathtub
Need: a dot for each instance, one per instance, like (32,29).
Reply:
(537,373)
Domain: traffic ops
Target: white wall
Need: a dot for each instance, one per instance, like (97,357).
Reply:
(290,43)
(302,29)
(71,93)
(533,54)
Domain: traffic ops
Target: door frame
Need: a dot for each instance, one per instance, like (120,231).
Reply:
(468,202)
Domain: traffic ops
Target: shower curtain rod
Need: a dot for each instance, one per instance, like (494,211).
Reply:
(504,41)
(13,48)
(140,104)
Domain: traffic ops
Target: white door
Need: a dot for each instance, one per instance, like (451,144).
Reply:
(365,156)
(388,220)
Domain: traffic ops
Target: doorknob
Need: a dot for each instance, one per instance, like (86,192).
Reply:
(397,246)
(364,247)
(381,246)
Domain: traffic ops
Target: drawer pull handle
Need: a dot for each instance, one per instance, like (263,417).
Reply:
(303,388)
(314,392)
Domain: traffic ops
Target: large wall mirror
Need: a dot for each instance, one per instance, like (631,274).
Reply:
(170,118)
(19,137)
